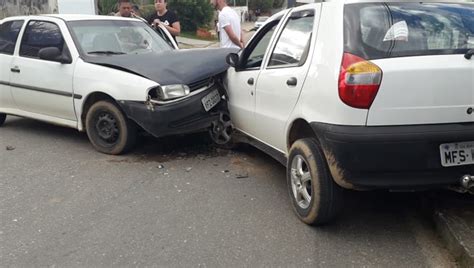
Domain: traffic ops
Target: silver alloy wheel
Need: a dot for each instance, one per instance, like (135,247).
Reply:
(301,181)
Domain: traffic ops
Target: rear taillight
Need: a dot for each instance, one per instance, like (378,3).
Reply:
(359,81)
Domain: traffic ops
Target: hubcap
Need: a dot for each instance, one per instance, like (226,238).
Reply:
(221,129)
(106,127)
(301,181)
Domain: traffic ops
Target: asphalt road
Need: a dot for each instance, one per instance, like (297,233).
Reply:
(180,202)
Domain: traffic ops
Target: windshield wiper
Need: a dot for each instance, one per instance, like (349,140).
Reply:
(106,52)
(469,54)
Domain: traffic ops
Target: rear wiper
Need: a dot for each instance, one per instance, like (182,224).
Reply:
(469,54)
(107,52)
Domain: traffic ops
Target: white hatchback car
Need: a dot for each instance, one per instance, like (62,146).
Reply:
(360,95)
(261,21)
(108,76)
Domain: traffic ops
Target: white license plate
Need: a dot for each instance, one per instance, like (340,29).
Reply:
(211,100)
(457,154)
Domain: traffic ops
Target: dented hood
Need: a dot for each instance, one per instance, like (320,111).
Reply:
(169,67)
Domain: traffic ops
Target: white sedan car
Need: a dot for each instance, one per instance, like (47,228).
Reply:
(108,76)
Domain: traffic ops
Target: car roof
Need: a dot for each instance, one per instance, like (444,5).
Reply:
(403,1)
(382,1)
(71,17)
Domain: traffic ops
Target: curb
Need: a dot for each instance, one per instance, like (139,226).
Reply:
(187,45)
(455,230)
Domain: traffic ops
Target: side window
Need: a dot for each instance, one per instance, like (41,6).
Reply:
(38,35)
(164,36)
(255,57)
(8,35)
(293,44)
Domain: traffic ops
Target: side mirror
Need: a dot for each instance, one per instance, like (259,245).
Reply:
(53,54)
(232,59)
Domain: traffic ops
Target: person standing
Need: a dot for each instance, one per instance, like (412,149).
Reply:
(230,33)
(128,10)
(124,8)
(166,18)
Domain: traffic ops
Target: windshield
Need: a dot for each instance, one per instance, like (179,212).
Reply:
(116,37)
(384,30)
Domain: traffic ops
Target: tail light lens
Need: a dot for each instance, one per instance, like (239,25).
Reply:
(359,81)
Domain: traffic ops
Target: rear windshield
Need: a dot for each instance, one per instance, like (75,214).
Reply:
(385,30)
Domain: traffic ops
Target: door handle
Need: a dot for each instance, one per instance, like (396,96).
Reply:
(250,81)
(292,81)
(15,70)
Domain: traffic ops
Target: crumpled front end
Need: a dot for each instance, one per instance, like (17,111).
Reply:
(192,113)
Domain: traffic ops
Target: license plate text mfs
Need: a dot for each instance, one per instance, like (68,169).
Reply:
(457,154)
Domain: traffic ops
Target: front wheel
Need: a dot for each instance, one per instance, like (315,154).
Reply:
(3,117)
(316,198)
(222,132)
(108,129)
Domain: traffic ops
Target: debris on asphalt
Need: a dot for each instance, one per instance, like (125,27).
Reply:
(161,166)
(188,169)
(10,148)
(225,171)
(242,175)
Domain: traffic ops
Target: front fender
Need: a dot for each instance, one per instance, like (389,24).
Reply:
(119,85)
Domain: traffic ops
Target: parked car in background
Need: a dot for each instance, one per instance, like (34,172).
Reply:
(108,76)
(261,21)
(359,95)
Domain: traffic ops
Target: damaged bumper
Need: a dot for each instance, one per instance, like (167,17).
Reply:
(392,157)
(186,115)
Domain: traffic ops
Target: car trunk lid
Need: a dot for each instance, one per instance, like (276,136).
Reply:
(424,90)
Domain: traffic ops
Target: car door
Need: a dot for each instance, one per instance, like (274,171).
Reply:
(9,31)
(163,32)
(241,80)
(279,83)
(41,86)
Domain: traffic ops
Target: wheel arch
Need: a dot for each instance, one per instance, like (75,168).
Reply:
(90,100)
(301,129)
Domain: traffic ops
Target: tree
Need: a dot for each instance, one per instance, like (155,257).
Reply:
(263,5)
(107,6)
(192,13)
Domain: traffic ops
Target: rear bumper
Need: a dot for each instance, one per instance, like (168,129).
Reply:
(185,116)
(393,156)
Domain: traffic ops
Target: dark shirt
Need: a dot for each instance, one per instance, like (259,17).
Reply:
(168,19)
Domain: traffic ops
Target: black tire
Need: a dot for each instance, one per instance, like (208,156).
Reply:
(3,117)
(222,132)
(326,196)
(108,129)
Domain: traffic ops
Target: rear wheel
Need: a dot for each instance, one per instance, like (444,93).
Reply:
(3,117)
(316,198)
(108,129)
